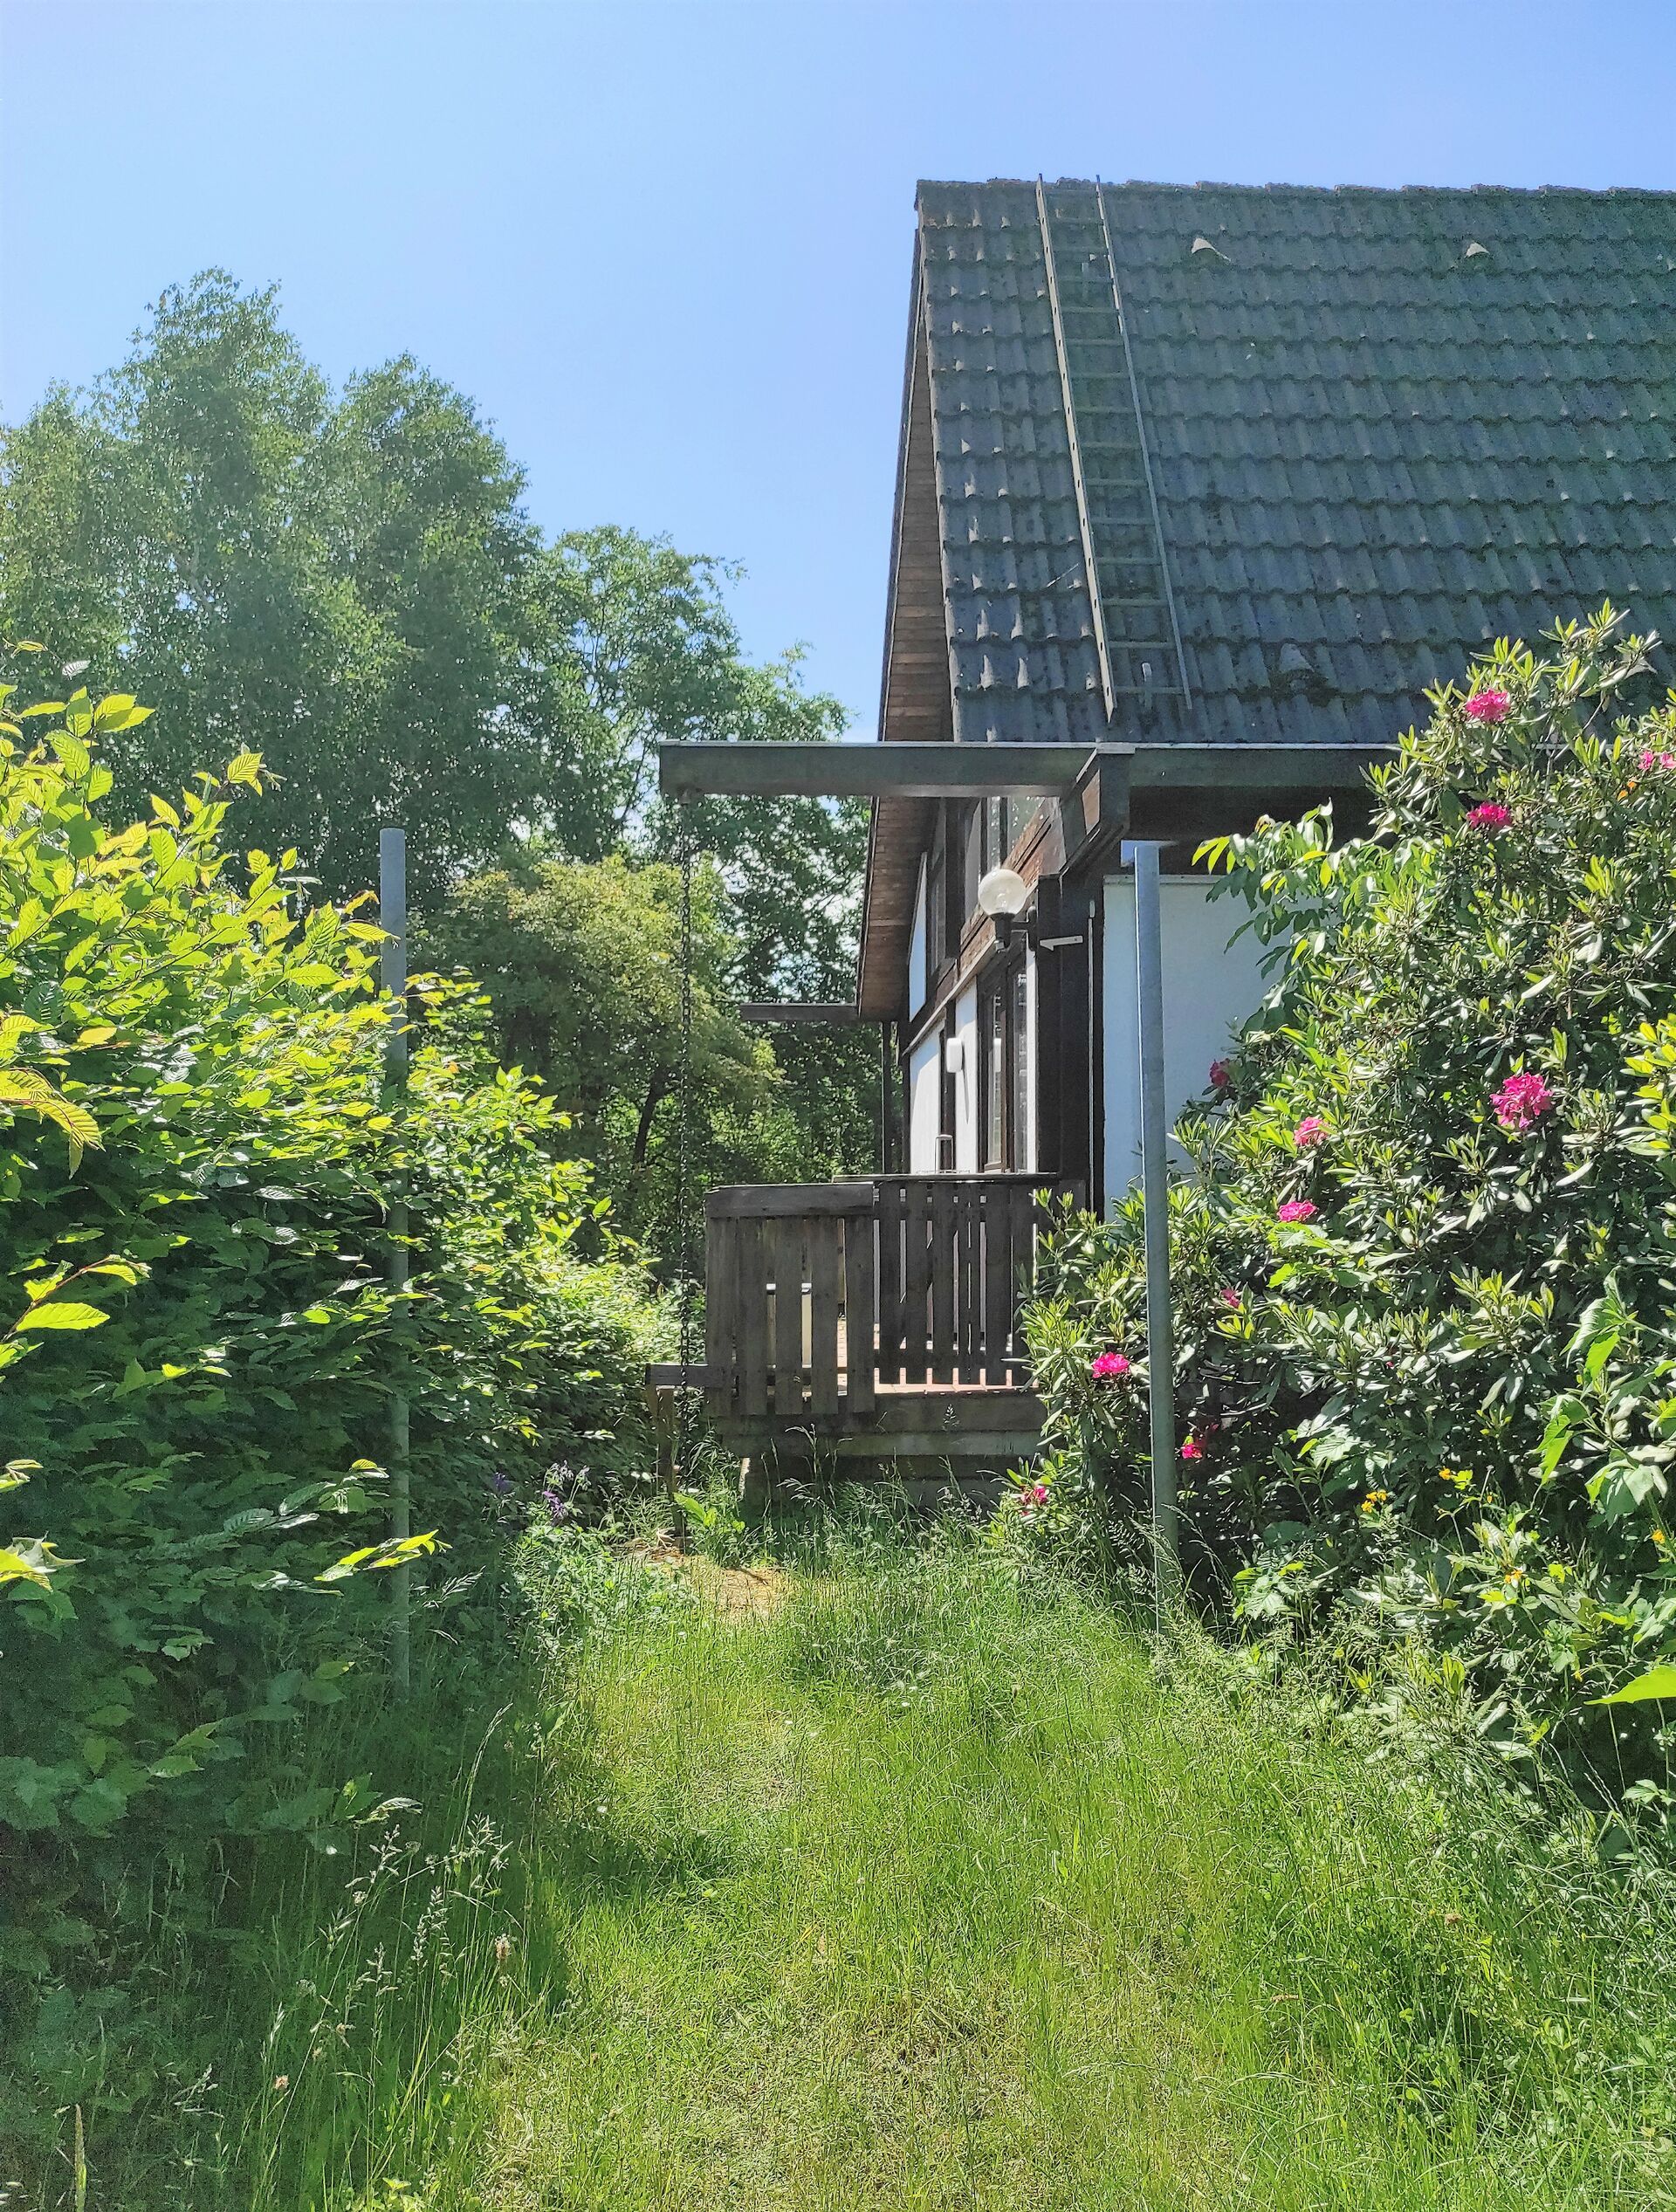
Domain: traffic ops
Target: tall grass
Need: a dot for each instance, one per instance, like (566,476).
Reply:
(927,1890)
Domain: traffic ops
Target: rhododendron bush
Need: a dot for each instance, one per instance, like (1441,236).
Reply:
(1424,1255)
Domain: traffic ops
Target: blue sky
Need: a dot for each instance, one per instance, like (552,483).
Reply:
(666,247)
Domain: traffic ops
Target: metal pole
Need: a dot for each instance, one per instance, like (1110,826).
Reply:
(392,978)
(1155,1198)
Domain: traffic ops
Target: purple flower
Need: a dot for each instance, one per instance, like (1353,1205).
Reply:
(501,1483)
(1487,706)
(558,1507)
(1521,1101)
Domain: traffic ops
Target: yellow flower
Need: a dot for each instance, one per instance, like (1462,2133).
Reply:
(1658,1535)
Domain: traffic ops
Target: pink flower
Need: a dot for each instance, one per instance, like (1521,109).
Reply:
(1035,1494)
(1220,1074)
(1232,1298)
(1651,759)
(1296,1210)
(1310,1131)
(1521,1101)
(1110,1367)
(1192,1449)
(1492,818)
(1487,706)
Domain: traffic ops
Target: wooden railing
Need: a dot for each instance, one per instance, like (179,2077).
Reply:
(815,1294)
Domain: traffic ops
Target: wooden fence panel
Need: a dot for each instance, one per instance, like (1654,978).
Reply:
(788,1316)
(722,1309)
(753,1295)
(860,1284)
(1022,1200)
(943,1217)
(916,1275)
(890,1280)
(998,1275)
(825,1263)
(923,1274)
(969,1303)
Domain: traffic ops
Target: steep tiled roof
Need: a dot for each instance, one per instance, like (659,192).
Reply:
(1376,431)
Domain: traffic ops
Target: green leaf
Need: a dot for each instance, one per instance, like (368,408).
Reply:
(62,1313)
(1624,1485)
(1657,1682)
(371,1557)
(28,1565)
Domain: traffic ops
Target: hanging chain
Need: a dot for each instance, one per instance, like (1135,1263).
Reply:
(683,1159)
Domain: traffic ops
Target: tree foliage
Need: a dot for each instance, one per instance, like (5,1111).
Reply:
(198,1338)
(349,585)
(1425,1263)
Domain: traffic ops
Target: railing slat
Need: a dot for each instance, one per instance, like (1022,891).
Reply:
(824,1265)
(998,1276)
(944,1218)
(788,1315)
(859,1300)
(968,1233)
(916,1320)
(753,1318)
(1023,1201)
(890,1280)
(721,1309)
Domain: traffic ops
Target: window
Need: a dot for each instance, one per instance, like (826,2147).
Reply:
(1018,1057)
(1005,1028)
(994,1020)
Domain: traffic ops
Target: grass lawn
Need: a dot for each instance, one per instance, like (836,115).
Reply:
(920,1890)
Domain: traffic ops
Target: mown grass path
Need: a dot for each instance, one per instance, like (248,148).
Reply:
(919,1892)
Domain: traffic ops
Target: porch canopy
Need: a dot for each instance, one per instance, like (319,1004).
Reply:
(1157,793)
(1153,795)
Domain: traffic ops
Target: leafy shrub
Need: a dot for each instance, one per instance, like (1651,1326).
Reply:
(195,1162)
(1424,1260)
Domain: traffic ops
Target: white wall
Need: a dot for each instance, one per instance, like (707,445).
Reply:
(916,949)
(1210,988)
(967,1076)
(924,1104)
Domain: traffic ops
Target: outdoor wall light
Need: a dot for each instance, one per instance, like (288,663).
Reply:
(1001,895)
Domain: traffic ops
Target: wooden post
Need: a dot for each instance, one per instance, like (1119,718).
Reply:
(392,978)
(1155,1203)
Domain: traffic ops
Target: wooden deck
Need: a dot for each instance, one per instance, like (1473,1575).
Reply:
(870,1325)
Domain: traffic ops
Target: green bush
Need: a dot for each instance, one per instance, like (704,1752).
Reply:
(195,1155)
(1424,1260)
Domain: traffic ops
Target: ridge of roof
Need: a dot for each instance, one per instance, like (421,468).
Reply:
(1316,191)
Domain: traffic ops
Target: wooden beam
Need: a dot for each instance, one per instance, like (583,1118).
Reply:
(911,770)
(782,1201)
(841,1014)
(907,769)
(1249,767)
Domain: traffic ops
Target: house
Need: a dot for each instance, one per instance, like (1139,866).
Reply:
(1200,490)
(1225,468)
